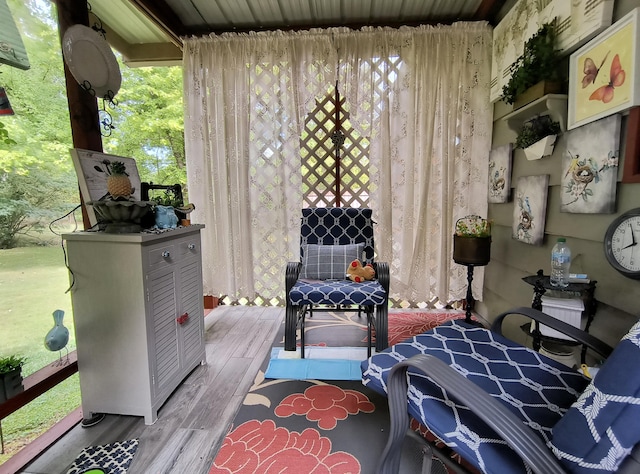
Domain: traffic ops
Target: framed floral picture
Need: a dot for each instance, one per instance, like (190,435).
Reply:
(603,74)
(500,173)
(590,168)
(530,209)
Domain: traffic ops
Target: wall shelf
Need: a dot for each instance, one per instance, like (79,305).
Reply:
(554,105)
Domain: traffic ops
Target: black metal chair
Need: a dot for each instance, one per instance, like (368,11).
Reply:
(504,407)
(330,239)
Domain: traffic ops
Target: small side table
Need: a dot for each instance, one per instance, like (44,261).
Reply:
(541,284)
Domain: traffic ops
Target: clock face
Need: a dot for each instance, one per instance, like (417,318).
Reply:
(622,244)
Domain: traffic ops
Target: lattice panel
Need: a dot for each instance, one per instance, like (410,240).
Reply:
(319,159)
(434,303)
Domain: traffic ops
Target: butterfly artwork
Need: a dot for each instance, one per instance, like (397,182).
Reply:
(616,79)
(591,71)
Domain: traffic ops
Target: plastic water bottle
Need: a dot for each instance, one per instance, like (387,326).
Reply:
(560,263)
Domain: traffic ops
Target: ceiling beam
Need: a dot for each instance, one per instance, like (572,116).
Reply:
(488,11)
(164,17)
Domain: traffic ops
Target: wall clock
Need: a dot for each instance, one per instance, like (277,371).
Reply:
(622,243)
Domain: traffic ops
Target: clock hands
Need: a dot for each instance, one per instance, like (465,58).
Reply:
(633,238)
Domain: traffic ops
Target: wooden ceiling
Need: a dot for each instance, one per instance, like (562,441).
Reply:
(150,32)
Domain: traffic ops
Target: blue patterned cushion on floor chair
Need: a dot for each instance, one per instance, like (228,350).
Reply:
(502,406)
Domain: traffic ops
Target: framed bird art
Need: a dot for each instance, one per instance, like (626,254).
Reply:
(603,75)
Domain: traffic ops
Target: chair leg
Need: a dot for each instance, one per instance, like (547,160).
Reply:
(303,314)
(291,322)
(369,313)
(382,327)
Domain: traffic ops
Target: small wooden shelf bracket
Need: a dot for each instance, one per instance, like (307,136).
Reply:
(554,105)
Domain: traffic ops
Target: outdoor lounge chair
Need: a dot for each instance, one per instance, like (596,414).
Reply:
(508,409)
(330,239)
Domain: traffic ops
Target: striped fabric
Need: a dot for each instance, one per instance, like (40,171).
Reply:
(328,262)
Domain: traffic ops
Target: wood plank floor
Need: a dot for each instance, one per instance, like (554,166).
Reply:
(193,421)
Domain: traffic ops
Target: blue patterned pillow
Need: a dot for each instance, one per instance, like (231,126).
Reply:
(328,262)
(601,427)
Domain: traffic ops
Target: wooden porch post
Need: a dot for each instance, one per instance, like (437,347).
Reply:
(83,107)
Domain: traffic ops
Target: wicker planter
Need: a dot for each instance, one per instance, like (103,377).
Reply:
(10,384)
(471,250)
(536,91)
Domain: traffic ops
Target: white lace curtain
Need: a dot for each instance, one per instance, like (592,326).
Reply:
(420,94)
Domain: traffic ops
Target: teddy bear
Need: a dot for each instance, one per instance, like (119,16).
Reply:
(358,273)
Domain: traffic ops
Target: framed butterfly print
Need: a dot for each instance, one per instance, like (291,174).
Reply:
(604,75)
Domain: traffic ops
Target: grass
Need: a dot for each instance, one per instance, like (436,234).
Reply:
(33,281)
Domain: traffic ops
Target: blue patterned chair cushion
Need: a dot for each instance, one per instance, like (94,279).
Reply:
(337,292)
(498,366)
(328,262)
(603,425)
(338,226)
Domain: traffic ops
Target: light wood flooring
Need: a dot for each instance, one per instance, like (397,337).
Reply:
(194,420)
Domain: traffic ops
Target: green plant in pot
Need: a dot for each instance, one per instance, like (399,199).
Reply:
(533,132)
(472,241)
(539,61)
(11,376)
(536,129)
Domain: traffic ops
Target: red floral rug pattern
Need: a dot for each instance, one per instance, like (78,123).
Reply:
(262,447)
(311,426)
(325,404)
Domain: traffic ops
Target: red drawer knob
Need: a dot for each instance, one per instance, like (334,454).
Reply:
(183,319)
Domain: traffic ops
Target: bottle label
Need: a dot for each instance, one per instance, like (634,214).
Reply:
(560,258)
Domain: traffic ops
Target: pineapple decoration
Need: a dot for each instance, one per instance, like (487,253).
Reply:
(118,182)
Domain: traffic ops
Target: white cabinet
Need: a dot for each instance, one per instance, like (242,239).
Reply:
(138,315)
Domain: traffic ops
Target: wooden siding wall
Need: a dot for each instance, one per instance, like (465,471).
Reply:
(618,296)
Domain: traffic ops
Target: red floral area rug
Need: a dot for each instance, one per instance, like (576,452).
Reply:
(314,426)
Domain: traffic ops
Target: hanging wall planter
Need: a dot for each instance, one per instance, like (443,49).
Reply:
(541,148)
(538,136)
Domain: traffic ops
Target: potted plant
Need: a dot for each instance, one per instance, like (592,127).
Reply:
(539,62)
(472,241)
(538,137)
(10,376)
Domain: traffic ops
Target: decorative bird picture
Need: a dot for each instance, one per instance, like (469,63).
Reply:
(573,165)
(58,336)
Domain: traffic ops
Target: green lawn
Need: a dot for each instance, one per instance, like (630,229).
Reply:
(33,281)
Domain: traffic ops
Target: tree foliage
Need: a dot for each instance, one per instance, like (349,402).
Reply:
(149,123)
(35,142)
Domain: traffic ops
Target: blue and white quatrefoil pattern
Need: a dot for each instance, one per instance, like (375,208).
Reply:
(114,458)
(504,369)
(603,425)
(337,292)
(338,226)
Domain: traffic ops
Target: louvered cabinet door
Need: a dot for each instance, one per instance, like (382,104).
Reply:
(163,330)
(175,312)
(191,314)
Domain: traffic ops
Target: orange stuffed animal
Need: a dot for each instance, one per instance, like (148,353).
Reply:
(358,273)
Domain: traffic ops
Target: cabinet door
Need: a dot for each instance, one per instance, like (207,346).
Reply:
(192,329)
(163,309)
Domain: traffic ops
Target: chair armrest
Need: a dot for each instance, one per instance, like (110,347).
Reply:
(517,435)
(382,274)
(291,275)
(579,335)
